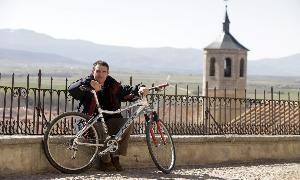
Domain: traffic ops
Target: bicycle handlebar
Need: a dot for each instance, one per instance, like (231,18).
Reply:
(155,88)
(159,87)
(89,88)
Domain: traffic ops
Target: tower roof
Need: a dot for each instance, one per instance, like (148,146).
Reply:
(226,40)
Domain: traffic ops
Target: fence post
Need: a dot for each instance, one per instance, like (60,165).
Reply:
(235,116)
(198,94)
(11,103)
(255,122)
(215,111)
(187,106)
(299,113)
(175,103)
(152,95)
(225,114)
(164,105)
(130,80)
(66,94)
(206,107)
(272,110)
(39,101)
(51,93)
(245,126)
(272,97)
(289,111)
(26,113)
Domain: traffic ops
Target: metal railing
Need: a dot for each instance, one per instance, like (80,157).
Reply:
(28,110)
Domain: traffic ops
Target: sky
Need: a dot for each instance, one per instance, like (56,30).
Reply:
(269,28)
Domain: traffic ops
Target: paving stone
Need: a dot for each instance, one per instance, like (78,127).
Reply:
(237,171)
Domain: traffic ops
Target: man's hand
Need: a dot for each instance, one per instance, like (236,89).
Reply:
(144,91)
(96,85)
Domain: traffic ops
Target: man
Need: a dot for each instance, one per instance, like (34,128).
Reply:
(110,94)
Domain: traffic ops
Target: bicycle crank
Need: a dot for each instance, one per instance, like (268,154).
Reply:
(112,146)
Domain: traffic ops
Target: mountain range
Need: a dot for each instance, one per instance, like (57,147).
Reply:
(25,47)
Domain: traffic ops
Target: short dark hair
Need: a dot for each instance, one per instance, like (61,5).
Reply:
(101,63)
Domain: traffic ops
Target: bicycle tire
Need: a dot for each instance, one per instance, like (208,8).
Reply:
(152,147)
(55,157)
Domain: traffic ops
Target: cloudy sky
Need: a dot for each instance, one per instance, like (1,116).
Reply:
(269,28)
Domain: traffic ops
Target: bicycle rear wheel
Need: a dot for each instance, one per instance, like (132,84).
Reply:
(160,145)
(60,149)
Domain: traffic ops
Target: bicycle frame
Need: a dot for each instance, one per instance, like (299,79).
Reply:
(143,105)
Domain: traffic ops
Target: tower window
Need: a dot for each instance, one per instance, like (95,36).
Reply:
(212,67)
(242,65)
(227,67)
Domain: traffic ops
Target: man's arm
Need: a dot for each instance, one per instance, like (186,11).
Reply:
(129,92)
(74,89)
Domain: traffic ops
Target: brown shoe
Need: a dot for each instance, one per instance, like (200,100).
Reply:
(116,163)
(105,166)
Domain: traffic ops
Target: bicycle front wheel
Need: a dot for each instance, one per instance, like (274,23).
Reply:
(59,146)
(160,145)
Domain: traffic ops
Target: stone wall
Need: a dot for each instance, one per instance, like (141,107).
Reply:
(25,155)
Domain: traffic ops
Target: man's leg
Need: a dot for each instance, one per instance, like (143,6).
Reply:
(123,144)
(114,125)
(103,163)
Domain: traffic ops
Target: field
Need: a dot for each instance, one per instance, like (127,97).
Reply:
(285,87)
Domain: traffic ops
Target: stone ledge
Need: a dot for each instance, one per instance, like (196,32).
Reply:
(235,138)
(20,139)
(32,139)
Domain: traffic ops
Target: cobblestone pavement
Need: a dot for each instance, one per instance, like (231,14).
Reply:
(240,171)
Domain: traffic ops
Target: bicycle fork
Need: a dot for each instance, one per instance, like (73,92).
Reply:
(155,118)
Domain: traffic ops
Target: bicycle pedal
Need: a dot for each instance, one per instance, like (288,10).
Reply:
(104,152)
(101,154)
(73,148)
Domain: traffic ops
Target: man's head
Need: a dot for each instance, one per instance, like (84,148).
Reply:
(100,71)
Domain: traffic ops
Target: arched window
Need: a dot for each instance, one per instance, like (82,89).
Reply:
(212,66)
(227,67)
(242,65)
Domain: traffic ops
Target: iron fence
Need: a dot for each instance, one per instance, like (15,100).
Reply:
(27,110)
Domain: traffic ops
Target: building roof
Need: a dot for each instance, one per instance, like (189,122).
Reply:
(226,40)
(278,113)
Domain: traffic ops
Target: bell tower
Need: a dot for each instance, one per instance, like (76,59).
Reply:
(225,65)
(225,68)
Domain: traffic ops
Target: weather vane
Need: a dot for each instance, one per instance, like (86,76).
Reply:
(226,3)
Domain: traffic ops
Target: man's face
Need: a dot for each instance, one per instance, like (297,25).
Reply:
(100,73)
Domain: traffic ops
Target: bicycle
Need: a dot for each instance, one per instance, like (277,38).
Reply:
(71,140)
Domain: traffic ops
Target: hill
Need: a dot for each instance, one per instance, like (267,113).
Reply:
(19,47)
